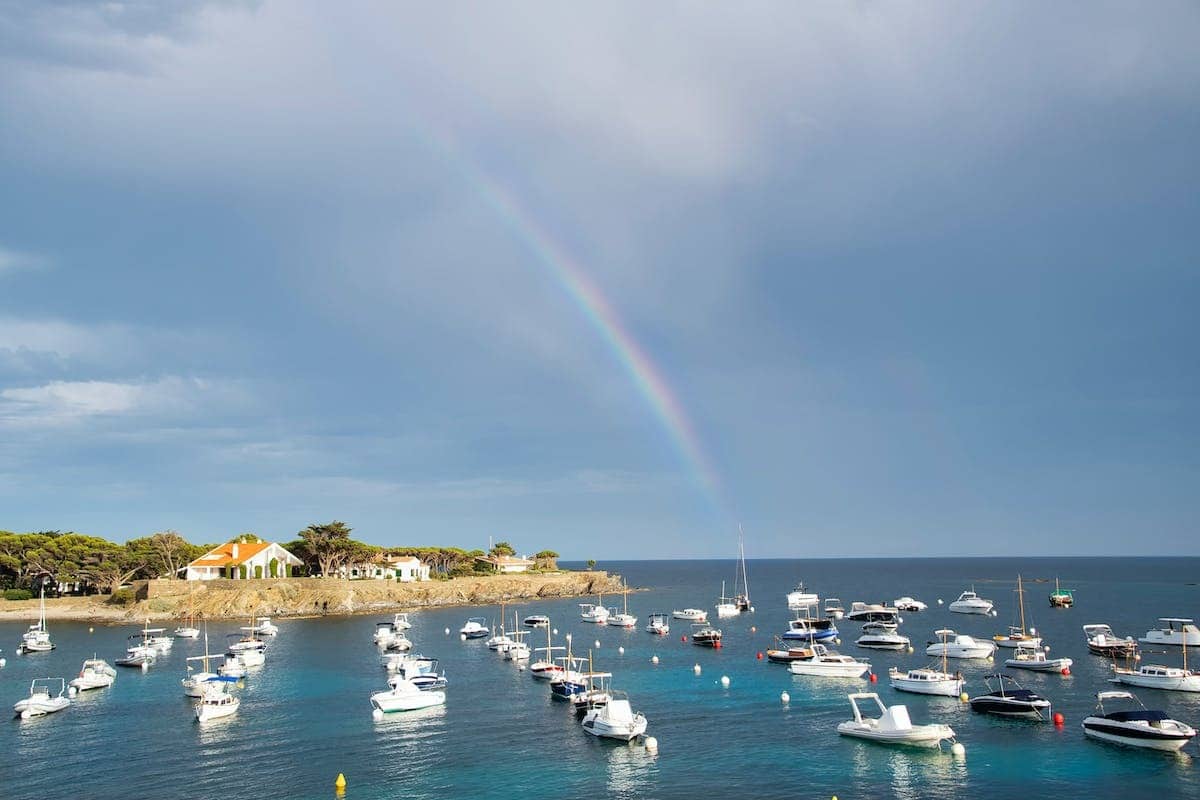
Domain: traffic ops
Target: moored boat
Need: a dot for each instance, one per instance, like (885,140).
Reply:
(475,628)
(1009,699)
(1036,660)
(46,696)
(800,598)
(95,674)
(957,645)
(1061,598)
(658,623)
(829,664)
(614,718)
(216,701)
(536,621)
(704,635)
(1177,632)
(892,726)
(971,603)
(404,695)
(811,630)
(928,680)
(833,608)
(690,614)
(1136,727)
(1102,641)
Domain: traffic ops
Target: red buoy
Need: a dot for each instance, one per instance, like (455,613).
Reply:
(683,638)
(717,644)
(874,678)
(1059,719)
(1066,670)
(760,655)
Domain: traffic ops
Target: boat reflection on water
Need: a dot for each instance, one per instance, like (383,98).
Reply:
(910,772)
(423,723)
(631,770)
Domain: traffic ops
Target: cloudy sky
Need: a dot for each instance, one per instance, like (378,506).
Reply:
(867,278)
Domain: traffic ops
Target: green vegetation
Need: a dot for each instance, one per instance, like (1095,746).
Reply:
(123,597)
(545,560)
(591,564)
(18,594)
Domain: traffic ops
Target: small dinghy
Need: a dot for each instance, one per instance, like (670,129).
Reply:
(95,674)
(892,726)
(46,695)
(1009,699)
(658,624)
(1137,727)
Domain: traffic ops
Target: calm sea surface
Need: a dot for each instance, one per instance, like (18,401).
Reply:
(305,716)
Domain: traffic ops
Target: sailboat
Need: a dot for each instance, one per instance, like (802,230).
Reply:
(624,619)
(929,680)
(545,668)
(725,605)
(596,612)
(37,638)
(499,641)
(1018,637)
(216,701)
(742,601)
(195,682)
(1156,676)
(189,630)
(1061,598)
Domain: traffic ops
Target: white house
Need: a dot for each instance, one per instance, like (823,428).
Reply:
(241,560)
(506,563)
(405,569)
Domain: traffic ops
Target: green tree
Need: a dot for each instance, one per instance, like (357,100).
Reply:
(274,567)
(502,549)
(329,545)
(165,553)
(591,564)
(546,559)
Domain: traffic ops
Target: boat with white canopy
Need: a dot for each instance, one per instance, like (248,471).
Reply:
(959,645)
(1175,632)
(216,701)
(892,726)
(46,696)
(94,674)
(829,664)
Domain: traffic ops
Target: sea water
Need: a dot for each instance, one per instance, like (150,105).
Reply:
(305,716)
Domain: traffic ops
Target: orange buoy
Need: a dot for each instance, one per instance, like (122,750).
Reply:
(760,655)
(1059,719)
(874,678)
(717,644)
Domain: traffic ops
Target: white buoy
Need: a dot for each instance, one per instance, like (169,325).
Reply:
(3,661)
(899,620)
(1032,631)
(462,637)
(696,669)
(1046,648)
(958,749)
(26,714)
(995,613)
(837,641)
(597,644)
(651,744)
(939,601)
(568,637)
(447,631)
(725,681)
(621,650)
(71,692)
(377,715)
(555,631)
(520,667)
(91,630)
(785,698)
(145,666)
(910,649)
(754,629)
(751,609)
(991,658)
(654,659)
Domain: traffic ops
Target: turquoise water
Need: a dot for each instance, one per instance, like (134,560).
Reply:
(305,716)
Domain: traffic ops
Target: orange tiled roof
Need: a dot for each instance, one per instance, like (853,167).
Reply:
(222,556)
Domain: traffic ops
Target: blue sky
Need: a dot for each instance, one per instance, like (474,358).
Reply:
(923,278)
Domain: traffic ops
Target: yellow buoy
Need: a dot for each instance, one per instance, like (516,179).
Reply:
(340,783)
(964,697)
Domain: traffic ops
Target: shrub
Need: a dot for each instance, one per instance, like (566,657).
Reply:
(122,597)
(18,594)
(258,571)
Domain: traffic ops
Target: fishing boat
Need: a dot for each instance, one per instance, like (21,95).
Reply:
(216,701)
(892,726)
(499,641)
(536,621)
(1017,636)
(1009,699)
(1156,676)
(404,695)
(43,699)
(623,619)
(827,663)
(614,718)
(1175,633)
(37,638)
(873,612)
(907,603)
(194,682)
(95,674)
(546,668)
(138,655)
(594,613)
(658,623)
(475,628)
(704,635)
(1060,597)
(810,630)
(799,598)
(971,603)
(1036,660)
(786,655)
(189,630)
(248,646)
(1103,642)
(264,627)
(518,650)
(570,679)
(690,614)
(958,645)
(233,666)
(1136,727)
(598,692)
(928,680)
(833,608)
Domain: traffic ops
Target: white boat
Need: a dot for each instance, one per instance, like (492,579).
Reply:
(799,598)
(623,619)
(546,668)
(194,682)
(971,603)
(658,624)
(928,680)
(892,726)
(907,603)
(740,602)
(246,643)
(499,641)
(882,640)
(1017,636)
(833,608)
(264,627)
(399,643)
(690,614)
(536,621)
(1156,676)
(1036,660)
(232,666)
(825,662)
(95,674)
(37,638)
(959,645)
(188,630)
(475,628)
(873,612)
(593,613)
(404,695)
(43,699)
(726,607)
(138,655)
(401,622)
(216,701)
(519,649)
(1103,642)
(1175,633)
(1139,727)
(614,718)
(384,633)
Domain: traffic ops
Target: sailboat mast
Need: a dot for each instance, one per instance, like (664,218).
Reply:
(1021,602)
(742,558)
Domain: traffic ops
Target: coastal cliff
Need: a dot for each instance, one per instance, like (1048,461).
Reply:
(290,597)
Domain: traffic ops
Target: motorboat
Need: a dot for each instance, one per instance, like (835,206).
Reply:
(399,643)
(186,632)
(959,645)
(570,680)
(971,603)
(1103,642)
(546,668)
(404,695)
(247,641)
(614,718)
(658,624)
(594,613)
(518,650)
(1176,632)
(157,638)
(37,638)
(1060,597)
(46,695)
(95,674)
(622,619)
(1009,699)
(704,635)
(536,621)
(264,627)
(884,639)
(872,612)
(810,630)
(926,680)
(401,622)
(422,672)
(384,633)
(1036,660)
(782,655)
(499,641)
(892,726)
(799,598)
(827,663)
(833,608)
(1136,727)
(232,667)
(195,682)
(1017,636)
(411,663)
(1155,676)
(907,603)
(475,628)
(690,614)
(216,701)
(138,655)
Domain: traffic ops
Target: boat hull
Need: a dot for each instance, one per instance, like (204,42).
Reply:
(926,736)
(986,704)
(1048,665)
(390,702)
(210,711)
(1188,683)
(940,687)
(828,670)
(1152,740)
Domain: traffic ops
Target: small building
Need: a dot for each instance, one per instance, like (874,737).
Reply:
(241,560)
(506,564)
(406,569)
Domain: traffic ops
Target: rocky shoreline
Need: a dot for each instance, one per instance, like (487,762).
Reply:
(306,597)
